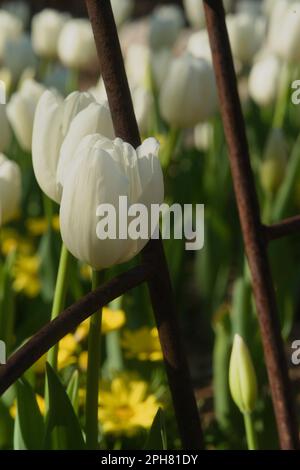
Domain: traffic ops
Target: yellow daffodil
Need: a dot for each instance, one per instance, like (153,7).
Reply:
(142,344)
(40,401)
(26,275)
(126,406)
(112,320)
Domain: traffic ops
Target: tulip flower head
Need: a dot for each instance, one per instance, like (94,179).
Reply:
(165,25)
(104,170)
(59,126)
(188,95)
(10,189)
(284,30)
(46,28)
(18,55)
(10,28)
(242,377)
(76,45)
(122,9)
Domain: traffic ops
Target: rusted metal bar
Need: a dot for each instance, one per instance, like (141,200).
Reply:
(67,321)
(284,228)
(252,228)
(115,80)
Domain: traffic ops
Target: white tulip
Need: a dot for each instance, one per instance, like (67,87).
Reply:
(246,33)
(51,124)
(21,109)
(76,45)
(143,104)
(18,55)
(195,11)
(10,28)
(203,135)
(249,6)
(122,10)
(198,45)
(19,9)
(188,95)
(284,30)
(264,80)
(10,189)
(140,61)
(103,171)
(6,134)
(165,25)
(46,28)
(94,119)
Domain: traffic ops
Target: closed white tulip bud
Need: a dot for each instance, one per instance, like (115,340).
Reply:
(188,95)
(203,135)
(18,55)
(165,25)
(21,109)
(143,107)
(10,27)
(195,11)
(246,34)
(5,134)
(52,121)
(242,377)
(103,171)
(46,28)
(122,10)
(264,80)
(284,31)
(20,9)
(94,119)
(10,189)
(76,45)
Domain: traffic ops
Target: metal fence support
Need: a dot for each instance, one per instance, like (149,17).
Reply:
(252,228)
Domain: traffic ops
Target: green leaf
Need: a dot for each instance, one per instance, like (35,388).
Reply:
(63,431)
(29,425)
(49,260)
(72,390)
(157,438)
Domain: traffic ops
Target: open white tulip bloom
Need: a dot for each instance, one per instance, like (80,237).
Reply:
(52,122)
(18,55)
(76,45)
(21,110)
(104,170)
(46,28)
(10,189)
(246,34)
(264,80)
(195,11)
(165,25)
(284,30)
(122,10)
(10,28)
(6,134)
(188,95)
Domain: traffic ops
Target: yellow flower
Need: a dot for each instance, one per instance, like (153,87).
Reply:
(40,401)
(11,241)
(83,360)
(66,351)
(26,273)
(126,407)
(37,226)
(66,355)
(86,272)
(111,320)
(142,344)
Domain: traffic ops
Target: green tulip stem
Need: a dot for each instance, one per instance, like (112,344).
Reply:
(93,368)
(171,144)
(250,432)
(59,298)
(73,81)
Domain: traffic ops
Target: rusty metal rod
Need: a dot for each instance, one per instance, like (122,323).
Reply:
(115,80)
(284,228)
(253,231)
(67,321)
